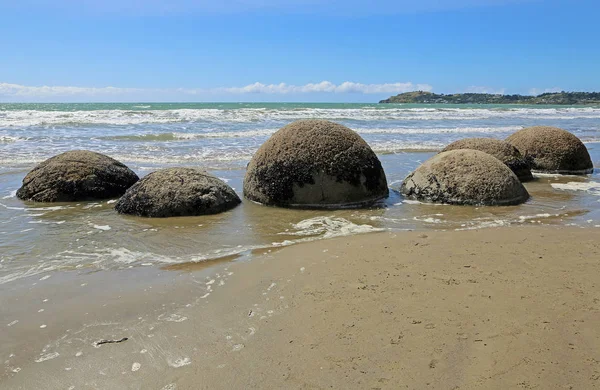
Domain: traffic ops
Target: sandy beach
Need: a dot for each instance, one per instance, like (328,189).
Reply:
(493,308)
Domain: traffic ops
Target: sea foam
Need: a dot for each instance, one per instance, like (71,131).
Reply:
(589,187)
(28,118)
(328,227)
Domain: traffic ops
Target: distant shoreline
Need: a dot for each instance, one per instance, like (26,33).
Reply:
(68,105)
(557,98)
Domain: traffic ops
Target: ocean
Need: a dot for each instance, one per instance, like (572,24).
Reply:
(42,240)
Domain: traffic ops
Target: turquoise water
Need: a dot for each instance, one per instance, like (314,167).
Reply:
(39,239)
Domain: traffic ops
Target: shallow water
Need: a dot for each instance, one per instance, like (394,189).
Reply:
(37,240)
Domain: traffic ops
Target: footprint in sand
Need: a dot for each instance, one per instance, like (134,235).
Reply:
(179,362)
(238,347)
(47,356)
(172,318)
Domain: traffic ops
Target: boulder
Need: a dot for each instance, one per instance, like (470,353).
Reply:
(502,150)
(77,175)
(552,150)
(464,177)
(315,164)
(176,192)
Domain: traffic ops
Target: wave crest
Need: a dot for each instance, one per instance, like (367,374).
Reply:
(29,118)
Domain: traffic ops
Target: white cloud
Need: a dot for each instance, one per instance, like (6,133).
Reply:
(481,89)
(539,91)
(328,87)
(16,90)
(23,92)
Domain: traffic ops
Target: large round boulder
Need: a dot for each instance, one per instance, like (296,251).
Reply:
(464,177)
(177,192)
(75,176)
(315,164)
(552,150)
(502,150)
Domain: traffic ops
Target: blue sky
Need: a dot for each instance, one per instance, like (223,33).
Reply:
(294,50)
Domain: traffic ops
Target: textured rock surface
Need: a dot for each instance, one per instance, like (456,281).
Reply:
(552,150)
(464,176)
(315,163)
(502,150)
(76,175)
(177,192)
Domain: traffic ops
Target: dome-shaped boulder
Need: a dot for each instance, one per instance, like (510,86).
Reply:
(315,164)
(502,150)
(177,192)
(552,150)
(464,177)
(75,176)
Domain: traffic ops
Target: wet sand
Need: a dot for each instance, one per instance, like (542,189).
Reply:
(495,308)
(41,239)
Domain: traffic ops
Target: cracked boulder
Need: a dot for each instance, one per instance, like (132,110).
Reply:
(502,150)
(77,175)
(315,164)
(552,150)
(177,192)
(464,177)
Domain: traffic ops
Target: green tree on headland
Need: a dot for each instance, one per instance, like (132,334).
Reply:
(566,98)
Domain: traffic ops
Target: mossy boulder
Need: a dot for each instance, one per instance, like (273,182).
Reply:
(315,164)
(176,192)
(77,175)
(552,150)
(464,177)
(502,150)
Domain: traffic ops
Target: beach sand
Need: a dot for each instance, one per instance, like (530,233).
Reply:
(501,308)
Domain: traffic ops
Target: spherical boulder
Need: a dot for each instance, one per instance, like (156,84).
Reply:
(502,150)
(315,164)
(177,192)
(552,150)
(464,177)
(75,176)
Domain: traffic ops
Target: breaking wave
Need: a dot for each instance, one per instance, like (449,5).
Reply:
(28,118)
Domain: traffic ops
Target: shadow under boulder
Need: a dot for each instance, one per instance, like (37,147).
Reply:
(177,192)
(502,150)
(315,164)
(77,175)
(552,150)
(464,177)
